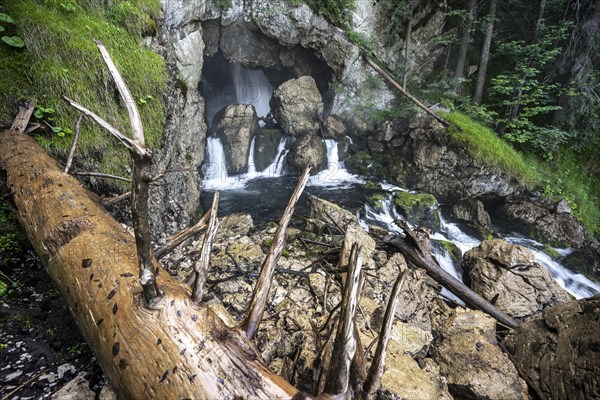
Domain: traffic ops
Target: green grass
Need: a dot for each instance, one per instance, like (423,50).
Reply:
(565,179)
(483,144)
(61,58)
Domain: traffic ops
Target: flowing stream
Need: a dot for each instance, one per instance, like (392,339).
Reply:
(264,194)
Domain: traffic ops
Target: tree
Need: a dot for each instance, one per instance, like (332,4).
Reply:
(459,72)
(485,53)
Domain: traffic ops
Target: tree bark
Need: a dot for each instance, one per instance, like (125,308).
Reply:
(459,72)
(485,54)
(176,349)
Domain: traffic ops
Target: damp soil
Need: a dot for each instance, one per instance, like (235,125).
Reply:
(41,348)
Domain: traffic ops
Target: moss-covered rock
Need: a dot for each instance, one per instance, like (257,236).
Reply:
(452,249)
(360,163)
(377,200)
(418,208)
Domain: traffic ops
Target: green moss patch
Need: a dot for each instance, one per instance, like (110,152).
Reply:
(61,58)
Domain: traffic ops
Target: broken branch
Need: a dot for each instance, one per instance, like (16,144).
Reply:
(373,381)
(201,265)
(258,302)
(74,146)
(101,175)
(344,346)
(173,241)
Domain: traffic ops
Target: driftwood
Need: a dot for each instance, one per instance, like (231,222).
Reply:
(75,142)
(402,90)
(411,249)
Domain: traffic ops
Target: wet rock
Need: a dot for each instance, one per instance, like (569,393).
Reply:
(76,389)
(343,146)
(538,218)
(560,349)
(236,126)
(355,235)
(329,212)
(234,225)
(473,364)
(419,209)
(265,148)
(360,163)
(473,212)
(309,150)
(335,127)
(13,376)
(298,106)
(585,260)
(508,276)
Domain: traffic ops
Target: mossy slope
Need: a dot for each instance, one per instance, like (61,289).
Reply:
(60,58)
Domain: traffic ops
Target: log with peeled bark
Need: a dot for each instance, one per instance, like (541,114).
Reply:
(412,250)
(176,350)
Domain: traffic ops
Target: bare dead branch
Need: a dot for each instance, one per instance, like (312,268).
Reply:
(127,142)
(373,381)
(137,128)
(344,346)
(175,240)
(263,285)
(201,264)
(101,175)
(75,141)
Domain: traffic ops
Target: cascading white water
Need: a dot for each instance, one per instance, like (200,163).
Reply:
(576,284)
(251,164)
(215,169)
(275,169)
(252,87)
(335,174)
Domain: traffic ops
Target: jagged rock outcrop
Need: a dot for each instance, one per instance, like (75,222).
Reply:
(472,211)
(236,126)
(560,349)
(416,152)
(585,260)
(298,106)
(539,218)
(508,276)
(470,359)
(310,150)
(174,202)
(265,147)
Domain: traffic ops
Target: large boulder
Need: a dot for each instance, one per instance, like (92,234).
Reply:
(418,208)
(265,148)
(236,126)
(298,106)
(540,218)
(585,260)
(560,350)
(507,275)
(335,127)
(330,213)
(307,150)
(473,364)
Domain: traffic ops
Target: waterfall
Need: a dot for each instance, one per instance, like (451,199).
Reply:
(251,164)
(275,169)
(252,87)
(335,175)
(215,169)
(576,284)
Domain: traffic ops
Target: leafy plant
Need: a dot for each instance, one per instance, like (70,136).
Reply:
(13,41)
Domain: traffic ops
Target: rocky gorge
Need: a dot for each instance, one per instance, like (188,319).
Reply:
(260,90)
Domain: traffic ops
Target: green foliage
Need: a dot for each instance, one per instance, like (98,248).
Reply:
(13,41)
(338,11)
(525,93)
(61,58)
(222,4)
(483,144)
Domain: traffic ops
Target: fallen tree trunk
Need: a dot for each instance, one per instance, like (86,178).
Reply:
(176,350)
(410,248)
